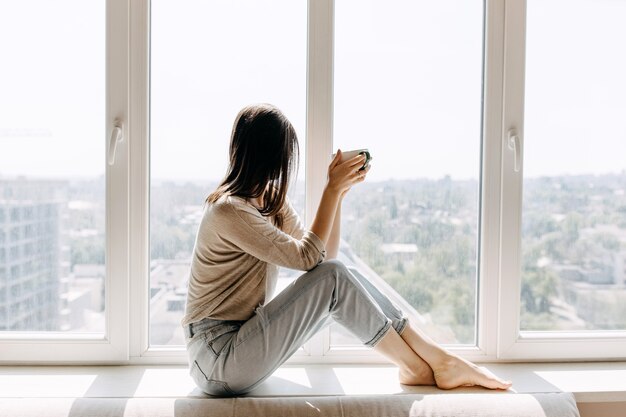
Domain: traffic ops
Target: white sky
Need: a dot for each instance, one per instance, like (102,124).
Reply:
(407,84)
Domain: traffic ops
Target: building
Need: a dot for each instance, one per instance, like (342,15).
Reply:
(400,252)
(30,215)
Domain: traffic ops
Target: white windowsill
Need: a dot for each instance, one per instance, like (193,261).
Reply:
(590,382)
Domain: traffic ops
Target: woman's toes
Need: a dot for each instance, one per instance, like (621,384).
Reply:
(489,380)
(459,372)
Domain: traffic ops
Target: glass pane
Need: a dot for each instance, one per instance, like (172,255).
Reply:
(209,60)
(574,206)
(408,86)
(52,185)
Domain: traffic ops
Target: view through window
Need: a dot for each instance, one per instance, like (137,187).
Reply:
(408,86)
(574,206)
(209,60)
(52,165)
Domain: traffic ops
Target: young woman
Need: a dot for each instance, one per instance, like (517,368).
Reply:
(235,340)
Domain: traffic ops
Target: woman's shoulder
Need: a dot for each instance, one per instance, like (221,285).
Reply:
(229,205)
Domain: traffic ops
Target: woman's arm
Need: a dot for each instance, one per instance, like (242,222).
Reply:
(332,248)
(341,177)
(239,227)
(325,216)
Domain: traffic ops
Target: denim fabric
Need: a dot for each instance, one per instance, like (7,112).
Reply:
(232,357)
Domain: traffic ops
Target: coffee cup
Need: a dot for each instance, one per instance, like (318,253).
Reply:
(351,154)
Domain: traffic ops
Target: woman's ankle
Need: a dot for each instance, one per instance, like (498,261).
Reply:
(417,376)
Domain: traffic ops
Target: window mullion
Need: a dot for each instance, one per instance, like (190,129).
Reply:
(511,186)
(319,124)
(490,181)
(139,155)
(117,221)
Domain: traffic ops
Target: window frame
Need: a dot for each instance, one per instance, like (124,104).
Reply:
(485,347)
(128,211)
(112,346)
(513,343)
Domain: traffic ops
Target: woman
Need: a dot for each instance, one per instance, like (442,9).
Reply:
(234,339)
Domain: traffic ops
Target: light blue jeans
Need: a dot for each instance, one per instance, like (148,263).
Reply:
(232,357)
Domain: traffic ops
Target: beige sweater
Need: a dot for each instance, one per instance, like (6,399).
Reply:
(236,258)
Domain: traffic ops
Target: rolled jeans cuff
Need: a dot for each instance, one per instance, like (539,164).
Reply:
(400,325)
(379,335)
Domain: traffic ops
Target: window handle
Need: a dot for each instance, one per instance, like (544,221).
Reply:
(116,137)
(516,146)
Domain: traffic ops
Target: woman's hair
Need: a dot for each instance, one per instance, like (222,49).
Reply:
(263,156)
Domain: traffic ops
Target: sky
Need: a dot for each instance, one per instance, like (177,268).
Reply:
(407,84)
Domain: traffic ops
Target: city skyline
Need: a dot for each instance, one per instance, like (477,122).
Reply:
(573,240)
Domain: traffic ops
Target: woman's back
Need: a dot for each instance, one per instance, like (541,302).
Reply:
(236,258)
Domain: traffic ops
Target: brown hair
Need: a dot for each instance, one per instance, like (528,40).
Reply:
(263,156)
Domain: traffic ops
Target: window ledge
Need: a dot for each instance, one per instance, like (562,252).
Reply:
(590,382)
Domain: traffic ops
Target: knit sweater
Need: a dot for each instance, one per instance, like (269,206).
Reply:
(237,253)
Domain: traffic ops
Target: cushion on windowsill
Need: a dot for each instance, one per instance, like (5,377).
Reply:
(437,405)
(488,405)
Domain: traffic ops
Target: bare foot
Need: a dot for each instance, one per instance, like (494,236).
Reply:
(458,372)
(408,378)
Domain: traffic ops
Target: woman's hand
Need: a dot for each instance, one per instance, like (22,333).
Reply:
(342,176)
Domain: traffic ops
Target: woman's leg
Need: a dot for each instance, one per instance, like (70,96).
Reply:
(398,320)
(280,327)
(237,363)
(412,368)
(448,371)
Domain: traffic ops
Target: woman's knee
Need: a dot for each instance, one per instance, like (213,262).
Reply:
(333,266)
(332,274)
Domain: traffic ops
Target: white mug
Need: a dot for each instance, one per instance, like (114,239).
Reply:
(351,154)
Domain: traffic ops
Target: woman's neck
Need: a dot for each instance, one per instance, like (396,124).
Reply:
(256,201)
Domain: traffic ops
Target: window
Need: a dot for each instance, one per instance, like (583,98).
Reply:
(15,215)
(15,253)
(73,79)
(574,218)
(493,214)
(208,60)
(413,226)
(55,182)
(562,214)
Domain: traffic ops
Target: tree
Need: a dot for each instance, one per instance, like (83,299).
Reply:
(538,286)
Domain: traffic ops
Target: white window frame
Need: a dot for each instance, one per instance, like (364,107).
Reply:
(320,144)
(128,181)
(112,346)
(513,343)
